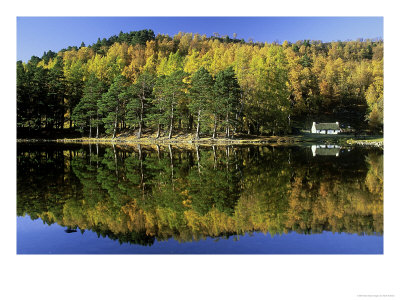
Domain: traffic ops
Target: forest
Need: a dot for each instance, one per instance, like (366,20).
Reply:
(141,194)
(214,86)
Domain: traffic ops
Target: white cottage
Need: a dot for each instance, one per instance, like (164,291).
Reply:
(325,128)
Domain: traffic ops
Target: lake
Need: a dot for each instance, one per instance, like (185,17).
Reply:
(120,199)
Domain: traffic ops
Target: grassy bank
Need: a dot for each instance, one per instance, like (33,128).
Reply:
(371,141)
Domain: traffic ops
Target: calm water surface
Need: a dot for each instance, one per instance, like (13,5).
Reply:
(94,199)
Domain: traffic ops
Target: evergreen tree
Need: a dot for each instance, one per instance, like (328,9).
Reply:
(23,105)
(201,95)
(141,93)
(168,91)
(74,85)
(280,86)
(227,95)
(55,95)
(38,94)
(86,113)
(112,104)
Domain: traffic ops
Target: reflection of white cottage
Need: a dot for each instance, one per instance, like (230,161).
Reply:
(325,150)
(325,128)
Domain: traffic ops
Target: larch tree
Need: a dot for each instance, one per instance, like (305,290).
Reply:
(276,93)
(338,81)
(74,75)
(374,99)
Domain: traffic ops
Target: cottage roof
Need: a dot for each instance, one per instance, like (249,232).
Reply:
(327,126)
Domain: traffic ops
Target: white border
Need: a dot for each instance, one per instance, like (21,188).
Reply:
(198,277)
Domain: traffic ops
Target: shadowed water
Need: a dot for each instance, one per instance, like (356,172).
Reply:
(164,199)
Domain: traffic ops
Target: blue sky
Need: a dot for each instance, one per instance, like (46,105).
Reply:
(38,34)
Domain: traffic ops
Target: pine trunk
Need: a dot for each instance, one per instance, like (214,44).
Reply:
(158,130)
(172,123)
(90,127)
(215,127)
(227,125)
(190,123)
(198,125)
(115,123)
(97,125)
(140,130)
(141,117)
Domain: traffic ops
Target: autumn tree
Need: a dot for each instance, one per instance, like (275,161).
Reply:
(282,87)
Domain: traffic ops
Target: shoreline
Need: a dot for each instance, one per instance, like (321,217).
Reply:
(343,140)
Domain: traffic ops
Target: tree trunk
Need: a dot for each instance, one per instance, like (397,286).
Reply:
(97,125)
(141,115)
(158,130)
(215,127)
(115,123)
(90,127)
(190,123)
(198,125)
(70,117)
(140,130)
(227,125)
(235,126)
(172,122)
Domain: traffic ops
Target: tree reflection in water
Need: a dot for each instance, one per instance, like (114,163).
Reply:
(139,194)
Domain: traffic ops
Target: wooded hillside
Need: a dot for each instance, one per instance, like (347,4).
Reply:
(204,85)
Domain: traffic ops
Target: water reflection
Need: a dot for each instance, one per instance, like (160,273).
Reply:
(325,150)
(139,194)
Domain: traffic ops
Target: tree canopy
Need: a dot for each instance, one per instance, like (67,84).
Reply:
(226,85)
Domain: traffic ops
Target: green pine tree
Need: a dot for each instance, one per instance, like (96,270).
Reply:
(201,95)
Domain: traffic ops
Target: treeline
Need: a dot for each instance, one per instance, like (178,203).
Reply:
(141,193)
(211,86)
